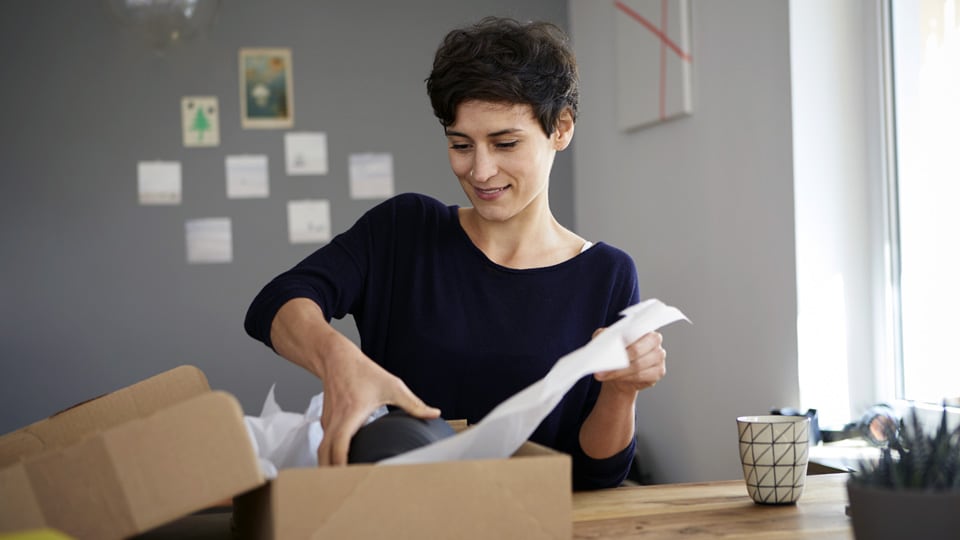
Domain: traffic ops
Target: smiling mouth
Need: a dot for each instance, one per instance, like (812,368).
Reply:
(490,194)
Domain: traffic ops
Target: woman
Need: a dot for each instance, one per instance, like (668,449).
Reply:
(463,307)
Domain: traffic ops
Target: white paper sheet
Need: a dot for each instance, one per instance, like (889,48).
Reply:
(371,176)
(308,221)
(511,423)
(209,240)
(247,177)
(306,153)
(159,182)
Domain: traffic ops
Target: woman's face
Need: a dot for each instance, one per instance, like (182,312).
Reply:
(503,158)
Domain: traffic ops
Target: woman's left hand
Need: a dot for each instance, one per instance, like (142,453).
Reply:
(647,365)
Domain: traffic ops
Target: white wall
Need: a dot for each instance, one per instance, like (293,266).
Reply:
(705,206)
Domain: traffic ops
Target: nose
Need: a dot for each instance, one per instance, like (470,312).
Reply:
(484,166)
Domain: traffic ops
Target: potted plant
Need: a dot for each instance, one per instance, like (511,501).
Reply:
(913,489)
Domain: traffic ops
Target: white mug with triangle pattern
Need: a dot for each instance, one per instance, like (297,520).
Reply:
(774,452)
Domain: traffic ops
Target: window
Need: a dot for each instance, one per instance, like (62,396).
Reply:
(876,151)
(926,195)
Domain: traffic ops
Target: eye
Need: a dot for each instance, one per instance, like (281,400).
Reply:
(459,147)
(507,144)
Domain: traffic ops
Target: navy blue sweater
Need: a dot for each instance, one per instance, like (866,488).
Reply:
(463,332)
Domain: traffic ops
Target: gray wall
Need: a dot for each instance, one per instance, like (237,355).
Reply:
(705,205)
(95,291)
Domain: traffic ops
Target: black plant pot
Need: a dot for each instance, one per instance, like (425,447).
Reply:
(882,513)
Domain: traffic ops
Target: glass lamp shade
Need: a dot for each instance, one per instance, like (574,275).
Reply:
(162,23)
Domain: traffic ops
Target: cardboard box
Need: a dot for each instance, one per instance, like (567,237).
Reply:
(166,447)
(128,461)
(136,401)
(527,496)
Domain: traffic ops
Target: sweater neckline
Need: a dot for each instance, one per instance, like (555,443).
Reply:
(464,237)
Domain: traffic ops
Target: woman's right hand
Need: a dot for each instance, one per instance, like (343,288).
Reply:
(354,386)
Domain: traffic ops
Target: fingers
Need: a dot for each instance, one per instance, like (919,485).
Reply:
(647,343)
(647,364)
(335,445)
(408,401)
(650,374)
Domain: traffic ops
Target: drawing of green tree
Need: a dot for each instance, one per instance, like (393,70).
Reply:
(200,123)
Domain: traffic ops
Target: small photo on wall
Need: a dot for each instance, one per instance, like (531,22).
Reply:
(201,121)
(266,88)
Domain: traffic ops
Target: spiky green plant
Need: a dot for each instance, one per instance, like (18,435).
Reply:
(913,459)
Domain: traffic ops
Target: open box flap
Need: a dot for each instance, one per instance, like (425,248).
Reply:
(140,474)
(70,425)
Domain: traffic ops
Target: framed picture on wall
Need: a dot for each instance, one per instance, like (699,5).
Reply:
(266,89)
(653,60)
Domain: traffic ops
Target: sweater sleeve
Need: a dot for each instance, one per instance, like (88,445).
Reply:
(332,276)
(590,473)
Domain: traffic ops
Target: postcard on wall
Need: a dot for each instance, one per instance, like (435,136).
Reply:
(248,177)
(308,221)
(266,88)
(209,240)
(306,153)
(371,176)
(200,116)
(159,182)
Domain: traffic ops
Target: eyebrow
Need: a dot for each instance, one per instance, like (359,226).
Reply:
(450,133)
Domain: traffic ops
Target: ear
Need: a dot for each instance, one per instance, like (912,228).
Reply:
(564,132)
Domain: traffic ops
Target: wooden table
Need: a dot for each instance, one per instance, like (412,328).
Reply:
(688,511)
(712,510)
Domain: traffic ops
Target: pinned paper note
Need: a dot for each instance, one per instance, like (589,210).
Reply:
(306,153)
(308,221)
(247,177)
(159,182)
(371,176)
(500,433)
(209,240)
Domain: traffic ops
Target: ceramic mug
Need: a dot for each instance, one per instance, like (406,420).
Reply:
(774,451)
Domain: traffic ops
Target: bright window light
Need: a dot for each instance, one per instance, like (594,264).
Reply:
(926,58)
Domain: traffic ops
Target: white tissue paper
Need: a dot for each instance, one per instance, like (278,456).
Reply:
(284,439)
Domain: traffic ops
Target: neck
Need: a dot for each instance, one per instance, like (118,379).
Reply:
(532,240)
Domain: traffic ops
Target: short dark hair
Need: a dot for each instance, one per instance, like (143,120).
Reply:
(505,61)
